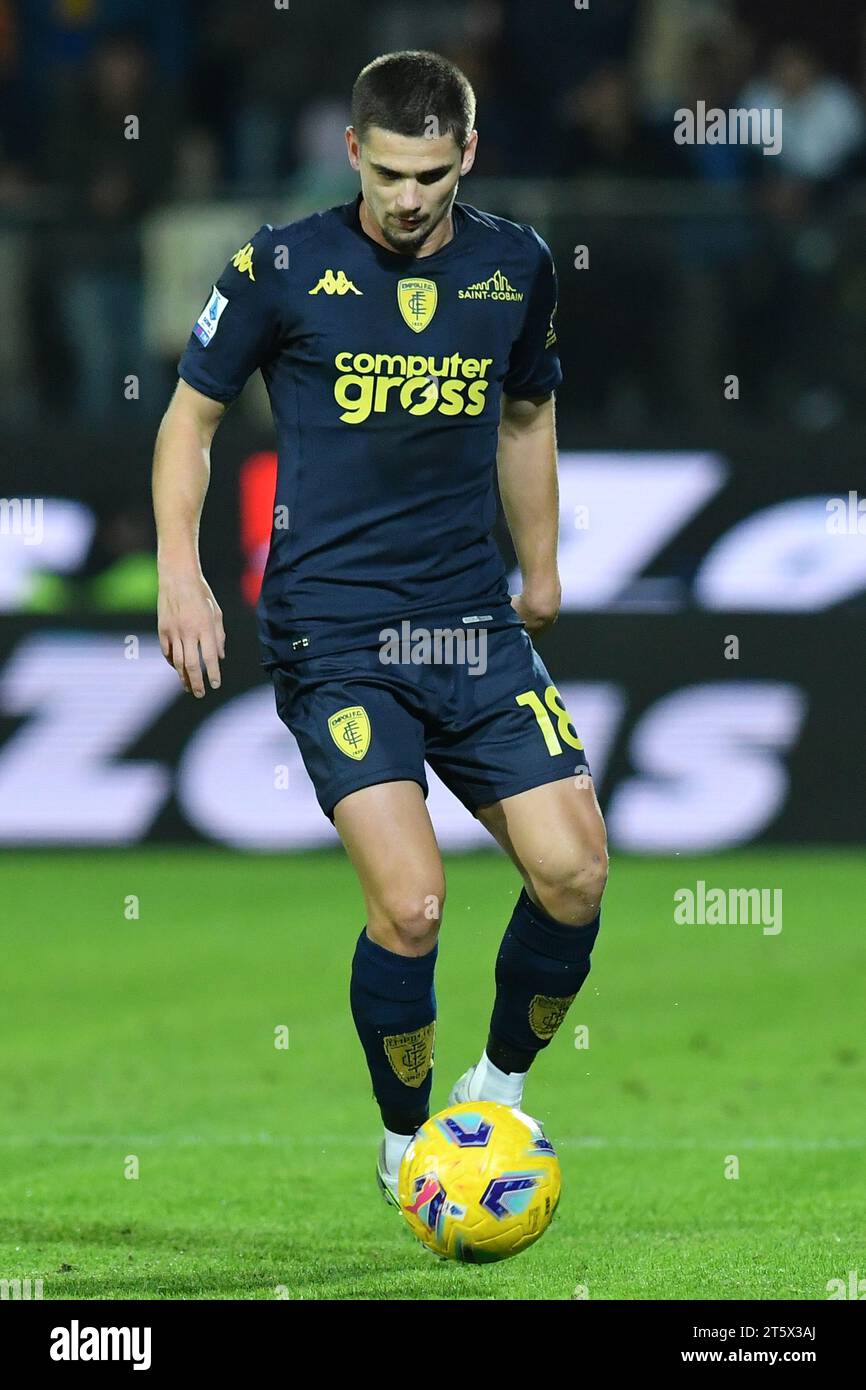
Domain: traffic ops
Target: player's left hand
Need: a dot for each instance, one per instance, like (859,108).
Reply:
(538,610)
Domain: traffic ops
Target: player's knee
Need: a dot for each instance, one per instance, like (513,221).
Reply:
(409,923)
(570,890)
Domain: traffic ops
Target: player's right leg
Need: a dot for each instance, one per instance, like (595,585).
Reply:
(360,732)
(389,839)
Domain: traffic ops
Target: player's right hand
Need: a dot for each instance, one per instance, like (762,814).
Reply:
(191,632)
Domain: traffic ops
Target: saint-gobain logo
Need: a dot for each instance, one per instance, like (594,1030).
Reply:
(77,1343)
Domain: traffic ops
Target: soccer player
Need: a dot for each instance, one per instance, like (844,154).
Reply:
(407,344)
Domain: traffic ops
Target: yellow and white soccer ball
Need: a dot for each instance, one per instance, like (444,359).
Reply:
(479,1182)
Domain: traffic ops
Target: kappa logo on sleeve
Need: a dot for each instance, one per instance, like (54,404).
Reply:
(208,320)
(242,260)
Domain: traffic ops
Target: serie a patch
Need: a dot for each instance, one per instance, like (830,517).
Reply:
(208,320)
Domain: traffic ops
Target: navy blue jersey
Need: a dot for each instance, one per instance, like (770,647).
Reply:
(385,373)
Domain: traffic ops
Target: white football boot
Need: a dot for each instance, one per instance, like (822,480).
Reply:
(484,1081)
(391,1152)
(388,1183)
(387,1179)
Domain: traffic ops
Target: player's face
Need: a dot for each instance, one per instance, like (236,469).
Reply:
(409,183)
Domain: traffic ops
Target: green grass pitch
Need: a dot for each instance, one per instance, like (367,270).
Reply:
(154,1039)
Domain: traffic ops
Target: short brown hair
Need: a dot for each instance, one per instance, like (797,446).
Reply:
(401,91)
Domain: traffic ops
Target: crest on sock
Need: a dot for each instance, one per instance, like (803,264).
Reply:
(546,1013)
(410,1055)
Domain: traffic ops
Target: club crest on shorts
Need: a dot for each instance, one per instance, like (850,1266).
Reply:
(417,301)
(350,730)
(411,1054)
(546,1013)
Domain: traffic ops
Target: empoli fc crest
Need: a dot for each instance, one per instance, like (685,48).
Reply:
(417,301)
(350,730)
(546,1013)
(411,1054)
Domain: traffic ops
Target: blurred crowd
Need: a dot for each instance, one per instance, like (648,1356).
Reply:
(250,97)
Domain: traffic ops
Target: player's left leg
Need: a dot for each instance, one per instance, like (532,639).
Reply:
(506,745)
(389,838)
(556,837)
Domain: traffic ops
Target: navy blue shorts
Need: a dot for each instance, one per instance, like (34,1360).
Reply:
(488,733)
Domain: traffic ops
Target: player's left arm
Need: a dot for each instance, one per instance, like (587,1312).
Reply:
(529,488)
(526,453)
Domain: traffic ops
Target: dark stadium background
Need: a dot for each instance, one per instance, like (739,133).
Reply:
(703,261)
(167,900)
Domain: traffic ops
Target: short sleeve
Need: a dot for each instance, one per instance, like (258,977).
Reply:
(238,329)
(533,367)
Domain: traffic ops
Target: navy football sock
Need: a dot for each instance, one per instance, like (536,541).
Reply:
(394,1007)
(541,966)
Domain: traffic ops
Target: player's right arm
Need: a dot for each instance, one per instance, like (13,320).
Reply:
(238,330)
(190,621)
